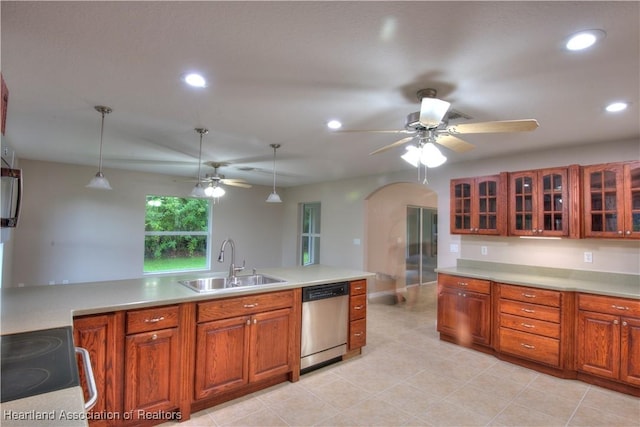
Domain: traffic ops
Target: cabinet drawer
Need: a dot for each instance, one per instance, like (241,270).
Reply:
(150,319)
(358,307)
(534,326)
(357,333)
(358,287)
(532,311)
(531,295)
(239,306)
(530,346)
(609,305)
(470,284)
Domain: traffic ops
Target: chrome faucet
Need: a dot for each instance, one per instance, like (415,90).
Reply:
(232,266)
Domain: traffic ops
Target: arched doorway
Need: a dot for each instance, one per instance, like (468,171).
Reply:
(396,218)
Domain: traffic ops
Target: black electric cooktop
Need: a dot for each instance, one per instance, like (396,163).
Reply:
(37,362)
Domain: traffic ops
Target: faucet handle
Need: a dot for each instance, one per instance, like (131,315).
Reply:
(244,263)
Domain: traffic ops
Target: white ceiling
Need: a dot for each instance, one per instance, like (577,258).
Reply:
(278,71)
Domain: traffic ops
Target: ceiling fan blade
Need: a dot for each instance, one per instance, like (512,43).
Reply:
(375,131)
(238,180)
(494,127)
(454,143)
(390,146)
(234,183)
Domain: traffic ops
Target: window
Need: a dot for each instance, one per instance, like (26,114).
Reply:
(310,233)
(177,234)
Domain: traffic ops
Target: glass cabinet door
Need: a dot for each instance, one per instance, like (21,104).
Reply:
(461,202)
(632,195)
(523,203)
(554,206)
(603,201)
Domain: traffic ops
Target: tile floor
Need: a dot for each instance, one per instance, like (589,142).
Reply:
(408,377)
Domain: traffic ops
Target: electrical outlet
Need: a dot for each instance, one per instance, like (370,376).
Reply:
(483,250)
(453,247)
(588,257)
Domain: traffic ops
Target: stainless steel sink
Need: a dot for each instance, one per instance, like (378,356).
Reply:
(211,284)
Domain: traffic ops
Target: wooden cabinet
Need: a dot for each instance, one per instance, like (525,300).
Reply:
(478,205)
(101,335)
(612,200)
(608,338)
(544,202)
(152,372)
(244,340)
(357,314)
(529,322)
(464,310)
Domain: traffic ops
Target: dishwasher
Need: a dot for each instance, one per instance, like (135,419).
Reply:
(325,320)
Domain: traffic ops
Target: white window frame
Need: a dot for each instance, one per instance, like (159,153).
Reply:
(313,236)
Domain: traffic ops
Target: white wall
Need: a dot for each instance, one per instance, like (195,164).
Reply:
(69,232)
(343,213)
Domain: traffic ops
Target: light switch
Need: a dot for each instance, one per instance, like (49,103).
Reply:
(588,257)
(483,250)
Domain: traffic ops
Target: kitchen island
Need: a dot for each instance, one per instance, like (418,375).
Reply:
(43,307)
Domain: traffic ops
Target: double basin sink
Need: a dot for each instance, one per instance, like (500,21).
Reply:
(210,284)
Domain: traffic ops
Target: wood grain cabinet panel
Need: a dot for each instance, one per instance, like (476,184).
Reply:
(100,335)
(612,200)
(464,316)
(357,315)
(478,205)
(608,338)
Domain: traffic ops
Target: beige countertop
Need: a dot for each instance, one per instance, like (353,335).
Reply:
(593,282)
(43,307)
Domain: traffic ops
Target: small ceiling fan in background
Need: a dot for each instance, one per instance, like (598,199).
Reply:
(431,125)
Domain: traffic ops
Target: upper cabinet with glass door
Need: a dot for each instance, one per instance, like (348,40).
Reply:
(478,205)
(541,203)
(612,200)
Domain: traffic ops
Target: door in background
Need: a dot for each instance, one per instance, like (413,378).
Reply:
(422,245)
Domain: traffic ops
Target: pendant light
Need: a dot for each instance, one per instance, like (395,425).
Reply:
(274,197)
(198,190)
(99,182)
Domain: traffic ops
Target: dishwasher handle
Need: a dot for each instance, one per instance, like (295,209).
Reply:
(91,381)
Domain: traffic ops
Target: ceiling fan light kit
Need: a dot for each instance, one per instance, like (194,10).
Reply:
(274,197)
(99,182)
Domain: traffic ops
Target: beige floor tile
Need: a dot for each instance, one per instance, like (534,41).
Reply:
(409,399)
(549,402)
(500,387)
(376,412)
(262,418)
(445,413)
(591,417)
(435,382)
(512,372)
(518,415)
(482,401)
(341,393)
(570,389)
(612,402)
(229,412)
(304,409)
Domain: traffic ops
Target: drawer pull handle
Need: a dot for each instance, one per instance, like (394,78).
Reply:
(463,284)
(358,334)
(528,295)
(528,346)
(154,320)
(527,325)
(357,288)
(619,307)
(154,337)
(358,307)
(254,305)
(527,310)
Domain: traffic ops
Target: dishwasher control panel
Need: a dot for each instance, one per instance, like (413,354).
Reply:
(330,290)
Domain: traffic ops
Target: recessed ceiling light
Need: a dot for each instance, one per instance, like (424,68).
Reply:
(584,39)
(614,107)
(334,124)
(195,80)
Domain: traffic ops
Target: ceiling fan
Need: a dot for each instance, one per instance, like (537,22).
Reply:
(430,125)
(216,178)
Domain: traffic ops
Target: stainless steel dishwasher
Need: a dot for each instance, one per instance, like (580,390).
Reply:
(325,320)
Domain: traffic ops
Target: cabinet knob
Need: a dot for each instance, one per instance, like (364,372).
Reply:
(628,232)
(625,324)
(154,337)
(615,322)
(620,232)
(540,231)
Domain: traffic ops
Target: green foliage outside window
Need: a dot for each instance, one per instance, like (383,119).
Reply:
(176,233)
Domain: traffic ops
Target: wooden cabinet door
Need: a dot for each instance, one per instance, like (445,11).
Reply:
(271,345)
(99,336)
(475,316)
(152,371)
(523,203)
(477,205)
(603,200)
(598,344)
(630,351)
(631,193)
(448,311)
(221,356)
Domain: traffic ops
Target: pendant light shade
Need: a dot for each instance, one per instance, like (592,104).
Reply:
(99,182)
(198,190)
(274,197)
